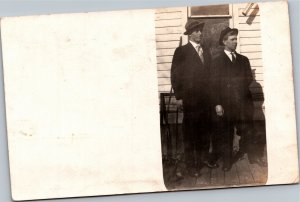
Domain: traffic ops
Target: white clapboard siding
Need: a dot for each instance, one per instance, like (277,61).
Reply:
(167,23)
(167,44)
(168,16)
(242,5)
(249,41)
(251,27)
(164,59)
(169,28)
(164,67)
(165,52)
(254,55)
(247,20)
(164,81)
(250,46)
(247,34)
(252,12)
(258,70)
(168,10)
(255,62)
(167,37)
(163,74)
(259,77)
(164,88)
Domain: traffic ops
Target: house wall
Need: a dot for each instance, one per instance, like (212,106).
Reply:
(250,46)
(170,24)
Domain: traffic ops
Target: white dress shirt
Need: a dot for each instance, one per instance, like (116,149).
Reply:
(198,49)
(228,53)
(196,45)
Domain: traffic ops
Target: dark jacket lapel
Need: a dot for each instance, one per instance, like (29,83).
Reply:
(194,53)
(226,58)
(239,57)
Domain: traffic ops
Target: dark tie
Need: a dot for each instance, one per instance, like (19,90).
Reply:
(233,57)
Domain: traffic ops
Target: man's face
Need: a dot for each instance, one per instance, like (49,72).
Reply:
(231,42)
(196,36)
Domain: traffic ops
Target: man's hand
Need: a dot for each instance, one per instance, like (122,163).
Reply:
(219,110)
(179,105)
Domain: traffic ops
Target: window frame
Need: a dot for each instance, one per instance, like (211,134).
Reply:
(230,15)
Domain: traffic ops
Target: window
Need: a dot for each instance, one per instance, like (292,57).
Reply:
(216,18)
(210,11)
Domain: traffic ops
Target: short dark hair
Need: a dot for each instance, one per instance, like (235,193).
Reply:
(232,33)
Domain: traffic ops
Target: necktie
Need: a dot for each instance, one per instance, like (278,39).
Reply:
(233,57)
(200,53)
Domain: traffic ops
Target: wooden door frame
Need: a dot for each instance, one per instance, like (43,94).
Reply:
(233,18)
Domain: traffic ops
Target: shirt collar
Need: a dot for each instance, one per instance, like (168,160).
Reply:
(228,53)
(195,44)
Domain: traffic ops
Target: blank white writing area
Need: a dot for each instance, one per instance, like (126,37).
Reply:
(279,94)
(82,108)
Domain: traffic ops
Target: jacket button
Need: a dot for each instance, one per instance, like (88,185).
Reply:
(228,85)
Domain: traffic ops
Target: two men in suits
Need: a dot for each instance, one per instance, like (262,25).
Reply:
(190,78)
(214,95)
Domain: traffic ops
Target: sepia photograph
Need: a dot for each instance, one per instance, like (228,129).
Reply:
(210,81)
(149,100)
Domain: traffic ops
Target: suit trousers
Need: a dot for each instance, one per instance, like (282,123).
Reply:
(222,138)
(196,136)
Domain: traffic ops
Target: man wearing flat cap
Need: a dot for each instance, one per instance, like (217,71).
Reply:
(190,80)
(231,77)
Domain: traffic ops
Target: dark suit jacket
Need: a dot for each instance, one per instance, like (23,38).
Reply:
(230,85)
(190,77)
